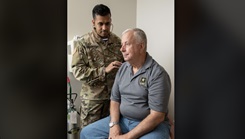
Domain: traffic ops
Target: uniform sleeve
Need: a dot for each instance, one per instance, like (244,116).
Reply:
(81,69)
(159,92)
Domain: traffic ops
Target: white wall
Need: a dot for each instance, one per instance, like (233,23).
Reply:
(79,15)
(157,20)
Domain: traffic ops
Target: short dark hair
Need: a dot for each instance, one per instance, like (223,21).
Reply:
(101,10)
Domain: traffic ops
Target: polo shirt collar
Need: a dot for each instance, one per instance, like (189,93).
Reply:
(148,62)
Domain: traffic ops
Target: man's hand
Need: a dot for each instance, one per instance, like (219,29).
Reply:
(115,131)
(124,136)
(113,65)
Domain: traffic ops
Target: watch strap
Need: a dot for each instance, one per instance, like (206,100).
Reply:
(111,124)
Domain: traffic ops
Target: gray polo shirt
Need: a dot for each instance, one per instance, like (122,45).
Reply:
(148,89)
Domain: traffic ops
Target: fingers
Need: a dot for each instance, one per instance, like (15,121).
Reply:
(116,64)
(113,65)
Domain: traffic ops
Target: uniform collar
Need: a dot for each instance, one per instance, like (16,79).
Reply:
(98,39)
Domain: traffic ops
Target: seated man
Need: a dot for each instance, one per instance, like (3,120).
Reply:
(139,97)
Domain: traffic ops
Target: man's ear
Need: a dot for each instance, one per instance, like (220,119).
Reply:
(142,47)
(93,22)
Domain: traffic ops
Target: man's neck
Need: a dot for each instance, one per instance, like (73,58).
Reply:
(137,65)
(100,37)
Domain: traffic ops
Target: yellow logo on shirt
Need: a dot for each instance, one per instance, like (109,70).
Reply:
(143,81)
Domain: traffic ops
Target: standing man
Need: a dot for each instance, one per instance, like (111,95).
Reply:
(95,61)
(139,97)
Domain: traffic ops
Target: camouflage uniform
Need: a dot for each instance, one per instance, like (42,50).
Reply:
(91,56)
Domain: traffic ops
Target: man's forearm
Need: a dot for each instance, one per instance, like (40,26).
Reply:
(114,111)
(115,116)
(147,125)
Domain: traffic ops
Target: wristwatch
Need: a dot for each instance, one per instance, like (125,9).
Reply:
(111,124)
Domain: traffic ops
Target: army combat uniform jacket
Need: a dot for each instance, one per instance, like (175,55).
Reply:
(91,56)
